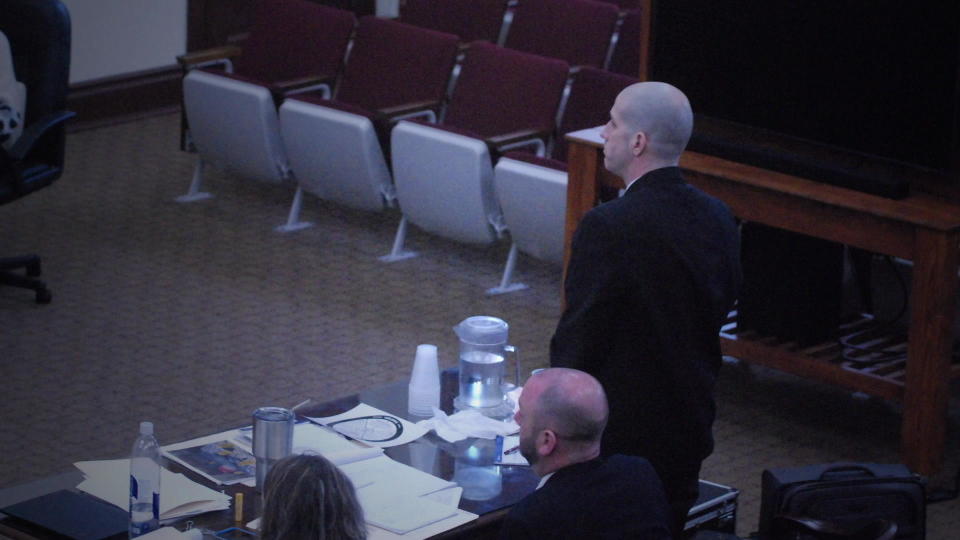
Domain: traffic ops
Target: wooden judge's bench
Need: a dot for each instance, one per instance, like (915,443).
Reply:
(922,228)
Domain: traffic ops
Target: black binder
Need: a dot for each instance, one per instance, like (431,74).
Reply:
(71,515)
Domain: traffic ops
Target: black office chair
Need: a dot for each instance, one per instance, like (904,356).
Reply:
(39,35)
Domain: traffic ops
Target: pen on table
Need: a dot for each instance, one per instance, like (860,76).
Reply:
(510,451)
(298,405)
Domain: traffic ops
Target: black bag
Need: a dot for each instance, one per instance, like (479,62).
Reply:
(847,495)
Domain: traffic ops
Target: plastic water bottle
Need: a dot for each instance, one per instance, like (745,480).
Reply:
(144,482)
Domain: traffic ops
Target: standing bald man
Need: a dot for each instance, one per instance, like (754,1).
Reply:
(562,413)
(651,278)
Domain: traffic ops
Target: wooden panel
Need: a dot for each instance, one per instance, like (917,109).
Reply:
(809,217)
(124,97)
(646,39)
(933,307)
(585,165)
(811,368)
(916,210)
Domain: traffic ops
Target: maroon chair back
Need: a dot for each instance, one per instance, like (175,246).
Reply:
(471,20)
(393,63)
(626,54)
(591,95)
(576,31)
(502,91)
(290,39)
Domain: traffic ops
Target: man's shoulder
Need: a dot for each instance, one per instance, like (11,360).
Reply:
(634,468)
(621,492)
(611,475)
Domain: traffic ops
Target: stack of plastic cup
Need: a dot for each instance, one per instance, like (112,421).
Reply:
(424,389)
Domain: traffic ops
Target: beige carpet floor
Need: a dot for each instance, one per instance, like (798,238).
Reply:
(192,315)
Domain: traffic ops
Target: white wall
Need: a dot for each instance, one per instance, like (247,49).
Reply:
(113,37)
(388,8)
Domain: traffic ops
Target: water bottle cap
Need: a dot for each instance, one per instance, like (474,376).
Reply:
(146,428)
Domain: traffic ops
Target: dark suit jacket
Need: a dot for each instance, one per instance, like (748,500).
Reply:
(651,278)
(620,497)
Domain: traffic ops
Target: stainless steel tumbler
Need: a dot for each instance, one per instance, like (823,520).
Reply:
(272,438)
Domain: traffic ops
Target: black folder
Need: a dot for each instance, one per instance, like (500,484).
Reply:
(72,515)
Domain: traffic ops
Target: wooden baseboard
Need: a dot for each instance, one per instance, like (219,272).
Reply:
(124,97)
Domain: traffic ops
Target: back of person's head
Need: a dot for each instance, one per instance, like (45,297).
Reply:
(661,111)
(307,498)
(567,406)
(574,415)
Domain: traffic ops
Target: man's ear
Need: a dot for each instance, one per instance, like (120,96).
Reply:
(638,143)
(546,442)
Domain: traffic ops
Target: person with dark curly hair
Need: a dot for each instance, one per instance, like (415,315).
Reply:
(308,498)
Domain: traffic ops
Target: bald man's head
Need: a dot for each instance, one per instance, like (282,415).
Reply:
(662,113)
(569,402)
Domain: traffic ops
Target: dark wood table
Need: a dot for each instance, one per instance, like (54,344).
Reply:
(920,228)
(433,455)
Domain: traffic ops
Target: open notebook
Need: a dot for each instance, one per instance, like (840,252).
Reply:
(179,496)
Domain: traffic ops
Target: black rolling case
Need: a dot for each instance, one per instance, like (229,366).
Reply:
(846,494)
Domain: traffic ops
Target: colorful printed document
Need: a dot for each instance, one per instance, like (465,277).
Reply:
(222,461)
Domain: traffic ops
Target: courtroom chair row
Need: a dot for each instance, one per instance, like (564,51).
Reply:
(335,136)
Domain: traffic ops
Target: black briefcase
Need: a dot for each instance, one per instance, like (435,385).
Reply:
(847,494)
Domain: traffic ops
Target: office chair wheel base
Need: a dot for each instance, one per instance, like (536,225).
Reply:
(43,296)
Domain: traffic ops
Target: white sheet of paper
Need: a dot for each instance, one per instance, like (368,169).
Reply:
(396,512)
(109,480)
(309,437)
(461,517)
(449,496)
(393,476)
(370,428)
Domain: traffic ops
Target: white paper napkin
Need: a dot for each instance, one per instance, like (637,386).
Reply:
(467,423)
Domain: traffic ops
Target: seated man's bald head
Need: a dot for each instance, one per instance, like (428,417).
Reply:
(571,402)
(661,111)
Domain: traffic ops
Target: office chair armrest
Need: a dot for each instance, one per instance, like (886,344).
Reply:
(208,57)
(499,144)
(37,129)
(427,108)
